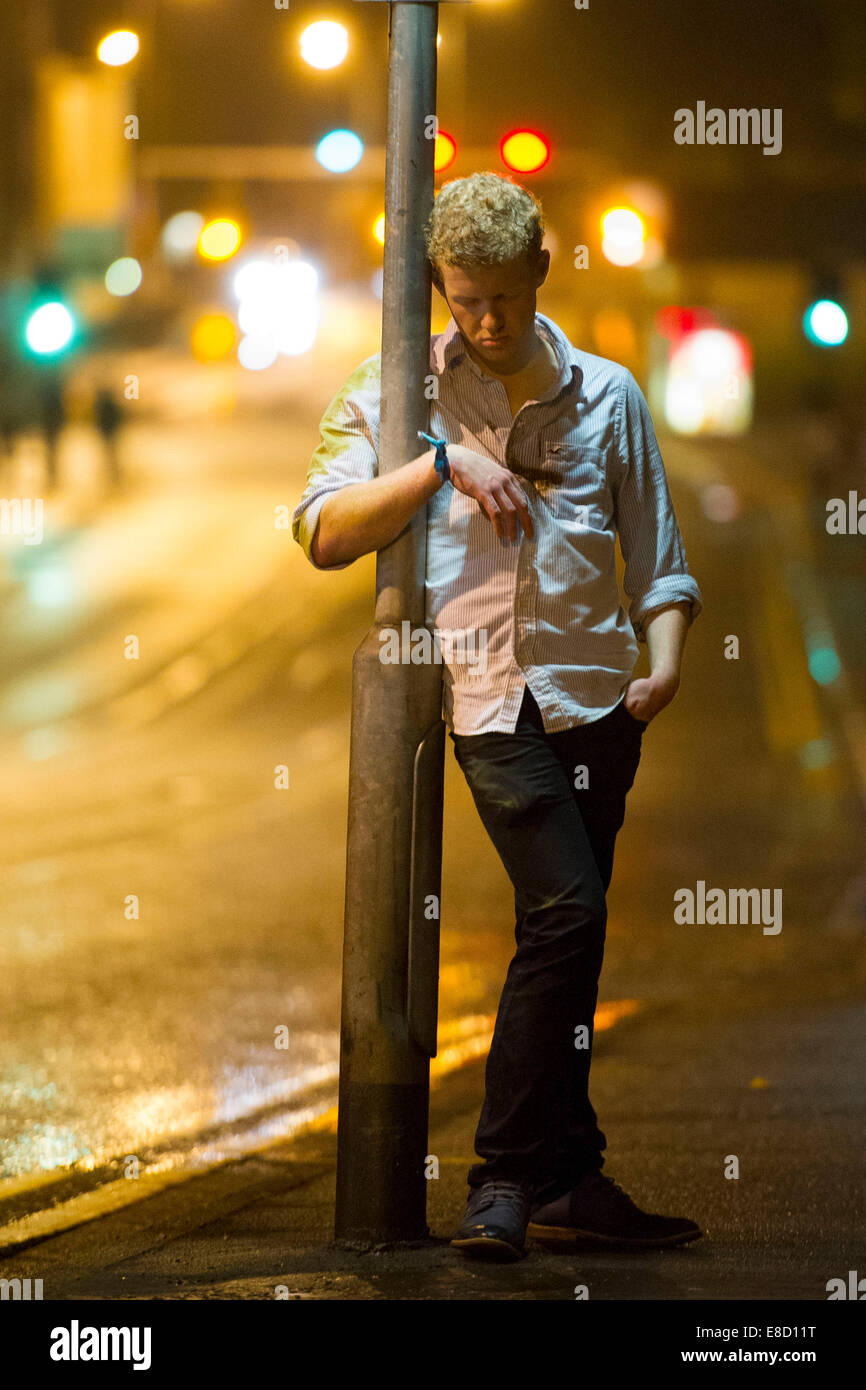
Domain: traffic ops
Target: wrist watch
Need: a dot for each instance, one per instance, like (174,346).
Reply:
(440,463)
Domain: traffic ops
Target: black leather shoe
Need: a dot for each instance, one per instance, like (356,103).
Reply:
(494,1223)
(596,1212)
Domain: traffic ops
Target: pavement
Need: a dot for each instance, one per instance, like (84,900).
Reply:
(678,1094)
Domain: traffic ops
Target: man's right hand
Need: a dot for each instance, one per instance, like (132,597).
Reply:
(496,490)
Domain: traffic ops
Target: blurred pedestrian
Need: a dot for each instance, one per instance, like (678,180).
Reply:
(8,434)
(52,417)
(108,418)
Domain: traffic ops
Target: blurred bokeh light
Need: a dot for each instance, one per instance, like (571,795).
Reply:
(50,328)
(277,311)
(123,276)
(118,48)
(213,337)
(524,151)
(709,384)
(623,234)
(219,239)
(324,44)
(444,151)
(339,151)
(179,236)
(257,353)
(826,323)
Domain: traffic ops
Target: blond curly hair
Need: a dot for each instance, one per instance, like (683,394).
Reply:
(484,219)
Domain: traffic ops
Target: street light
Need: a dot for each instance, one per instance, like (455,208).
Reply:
(118,48)
(324,44)
(623,234)
(219,239)
(394,833)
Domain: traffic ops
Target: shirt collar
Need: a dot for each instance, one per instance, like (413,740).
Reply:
(449,351)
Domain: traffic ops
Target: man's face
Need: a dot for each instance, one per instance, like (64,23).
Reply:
(494,309)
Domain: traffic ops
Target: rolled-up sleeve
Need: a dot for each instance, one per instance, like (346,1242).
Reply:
(346,454)
(656,572)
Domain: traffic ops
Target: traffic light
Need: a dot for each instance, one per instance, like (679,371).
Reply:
(825,323)
(444,151)
(524,151)
(50,329)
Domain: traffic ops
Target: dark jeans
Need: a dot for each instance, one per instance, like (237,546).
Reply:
(556,842)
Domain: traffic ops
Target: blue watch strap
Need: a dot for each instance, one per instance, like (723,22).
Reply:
(440,463)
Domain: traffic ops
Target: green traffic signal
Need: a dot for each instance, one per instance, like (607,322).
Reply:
(50,329)
(825,323)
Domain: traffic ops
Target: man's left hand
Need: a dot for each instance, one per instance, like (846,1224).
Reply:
(645,697)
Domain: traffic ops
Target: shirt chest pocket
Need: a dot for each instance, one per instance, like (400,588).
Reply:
(572,485)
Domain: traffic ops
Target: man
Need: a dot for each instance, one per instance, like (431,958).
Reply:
(551,452)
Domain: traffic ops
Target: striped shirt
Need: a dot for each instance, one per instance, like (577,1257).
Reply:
(544,612)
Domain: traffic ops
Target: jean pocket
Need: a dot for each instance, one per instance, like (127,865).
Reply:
(641,723)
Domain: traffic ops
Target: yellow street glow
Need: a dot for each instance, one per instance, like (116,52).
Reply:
(623,234)
(379,230)
(219,239)
(213,336)
(324,44)
(615,335)
(118,48)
